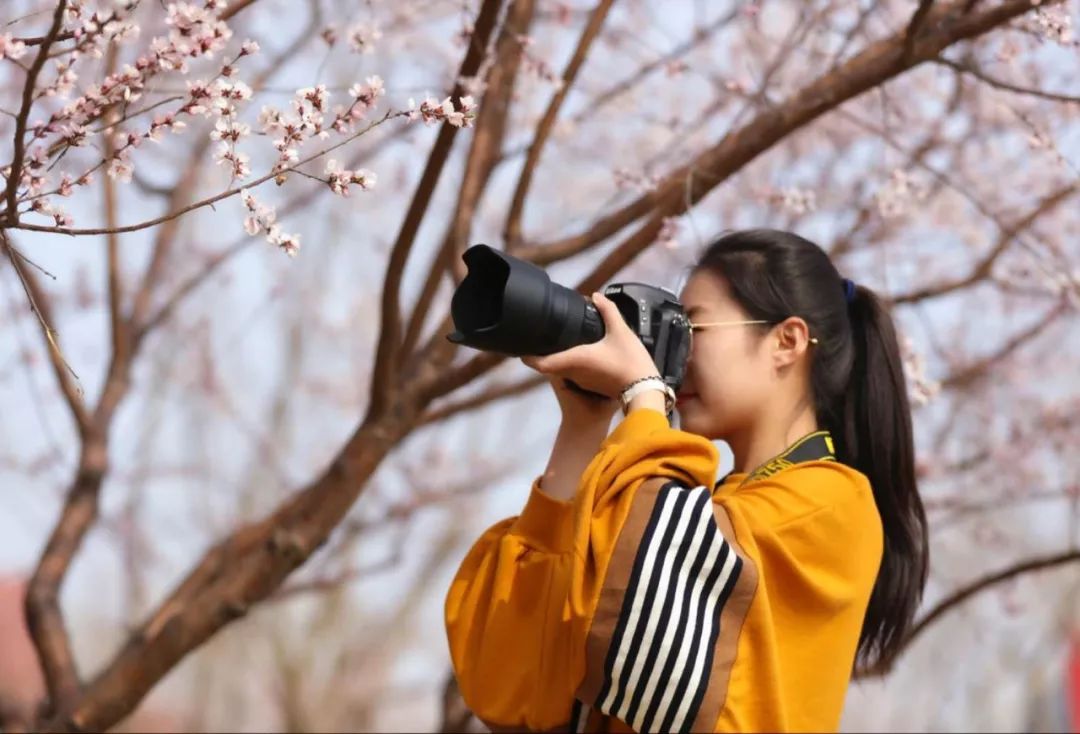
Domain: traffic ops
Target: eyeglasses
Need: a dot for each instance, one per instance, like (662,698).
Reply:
(695,327)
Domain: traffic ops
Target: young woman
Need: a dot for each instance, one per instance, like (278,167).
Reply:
(635,594)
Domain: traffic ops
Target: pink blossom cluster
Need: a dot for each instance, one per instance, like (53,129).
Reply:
(260,220)
(10,48)
(536,66)
(670,229)
(339,179)
(921,388)
(641,182)
(431,110)
(895,198)
(195,32)
(1052,23)
(791,199)
(307,118)
(362,37)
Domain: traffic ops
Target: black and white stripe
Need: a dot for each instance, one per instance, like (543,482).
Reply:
(658,664)
(579,716)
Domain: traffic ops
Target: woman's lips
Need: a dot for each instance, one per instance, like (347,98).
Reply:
(684,397)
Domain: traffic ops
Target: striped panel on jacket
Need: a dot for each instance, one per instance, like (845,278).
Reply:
(663,638)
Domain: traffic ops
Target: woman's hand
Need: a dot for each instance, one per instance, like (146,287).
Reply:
(604,367)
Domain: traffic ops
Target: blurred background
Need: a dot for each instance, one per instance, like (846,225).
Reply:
(189,376)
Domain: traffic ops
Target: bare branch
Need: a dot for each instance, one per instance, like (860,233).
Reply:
(963,594)
(912,33)
(968,374)
(43,614)
(982,269)
(485,398)
(387,355)
(970,68)
(483,156)
(873,66)
(619,88)
(118,325)
(512,230)
(39,304)
(682,189)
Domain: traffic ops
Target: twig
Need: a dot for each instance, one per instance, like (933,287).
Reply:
(484,398)
(36,298)
(208,201)
(24,112)
(512,228)
(390,329)
(1003,85)
(983,268)
(966,375)
(482,158)
(963,594)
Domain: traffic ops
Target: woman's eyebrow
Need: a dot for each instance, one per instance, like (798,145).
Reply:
(694,309)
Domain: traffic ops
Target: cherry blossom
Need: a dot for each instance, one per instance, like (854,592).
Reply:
(363,36)
(260,220)
(432,111)
(339,178)
(11,49)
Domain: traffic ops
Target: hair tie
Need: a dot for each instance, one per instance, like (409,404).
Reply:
(849,290)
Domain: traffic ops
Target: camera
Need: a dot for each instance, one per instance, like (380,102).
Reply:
(511,306)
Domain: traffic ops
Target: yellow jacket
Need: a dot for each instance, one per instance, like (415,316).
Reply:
(641,605)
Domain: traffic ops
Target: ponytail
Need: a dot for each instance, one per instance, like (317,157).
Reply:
(876,439)
(860,396)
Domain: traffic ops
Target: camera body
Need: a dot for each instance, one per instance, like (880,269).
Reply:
(511,306)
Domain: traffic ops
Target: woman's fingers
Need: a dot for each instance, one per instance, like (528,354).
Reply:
(567,359)
(613,320)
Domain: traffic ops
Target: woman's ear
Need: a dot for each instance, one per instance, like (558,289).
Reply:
(791,340)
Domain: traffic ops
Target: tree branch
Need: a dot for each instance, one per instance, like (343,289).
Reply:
(881,61)
(962,595)
(181,191)
(911,35)
(968,374)
(19,145)
(40,305)
(43,614)
(512,229)
(483,156)
(207,201)
(982,269)
(970,68)
(682,189)
(387,356)
(601,100)
(485,398)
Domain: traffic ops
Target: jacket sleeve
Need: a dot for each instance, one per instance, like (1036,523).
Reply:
(559,614)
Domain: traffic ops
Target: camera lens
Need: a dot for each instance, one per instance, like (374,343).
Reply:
(511,306)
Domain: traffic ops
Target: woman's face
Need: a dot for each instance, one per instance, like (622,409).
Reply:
(729,372)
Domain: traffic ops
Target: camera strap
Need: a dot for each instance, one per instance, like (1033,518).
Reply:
(817,446)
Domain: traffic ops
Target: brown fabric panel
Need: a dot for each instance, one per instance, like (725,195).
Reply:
(731,620)
(614,587)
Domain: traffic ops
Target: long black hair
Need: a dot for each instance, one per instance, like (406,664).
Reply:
(859,395)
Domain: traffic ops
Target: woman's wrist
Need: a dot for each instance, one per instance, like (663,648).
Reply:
(653,399)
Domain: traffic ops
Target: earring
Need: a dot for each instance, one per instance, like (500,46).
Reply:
(813,340)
